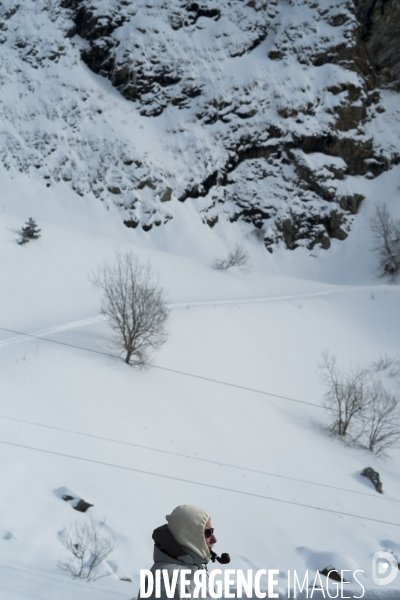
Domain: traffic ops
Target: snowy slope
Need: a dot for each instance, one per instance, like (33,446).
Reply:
(81,155)
(166,437)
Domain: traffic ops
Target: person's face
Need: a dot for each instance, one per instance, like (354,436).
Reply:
(210,540)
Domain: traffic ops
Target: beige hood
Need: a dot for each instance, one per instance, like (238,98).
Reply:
(187,524)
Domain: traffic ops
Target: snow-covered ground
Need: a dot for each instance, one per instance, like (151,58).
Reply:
(137,443)
(229,416)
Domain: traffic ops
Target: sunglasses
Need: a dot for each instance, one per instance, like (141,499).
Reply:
(208,532)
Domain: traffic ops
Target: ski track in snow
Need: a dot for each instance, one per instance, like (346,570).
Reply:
(23,584)
(65,327)
(286,297)
(99,319)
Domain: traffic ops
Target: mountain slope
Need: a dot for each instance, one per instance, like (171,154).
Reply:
(270,114)
(137,443)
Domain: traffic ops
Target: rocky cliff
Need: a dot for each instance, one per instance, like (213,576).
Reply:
(266,113)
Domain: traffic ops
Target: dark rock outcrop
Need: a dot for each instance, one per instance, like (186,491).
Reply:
(332,573)
(77,503)
(380,20)
(373,476)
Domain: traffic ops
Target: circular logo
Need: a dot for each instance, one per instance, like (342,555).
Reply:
(384,568)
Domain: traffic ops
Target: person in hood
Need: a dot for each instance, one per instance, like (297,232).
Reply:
(185,542)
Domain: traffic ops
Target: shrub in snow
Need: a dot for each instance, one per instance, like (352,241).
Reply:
(238,257)
(380,418)
(360,407)
(29,232)
(88,548)
(386,232)
(345,395)
(388,364)
(135,306)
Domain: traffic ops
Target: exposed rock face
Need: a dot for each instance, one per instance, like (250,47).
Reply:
(381,33)
(161,80)
(154,73)
(256,112)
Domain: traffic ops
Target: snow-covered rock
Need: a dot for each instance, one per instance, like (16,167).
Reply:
(265,112)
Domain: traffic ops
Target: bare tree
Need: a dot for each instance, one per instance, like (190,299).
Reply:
(360,407)
(380,418)
(135,305)
(345,395)
(390,364)
(238,257)
(88,548)
(386,232)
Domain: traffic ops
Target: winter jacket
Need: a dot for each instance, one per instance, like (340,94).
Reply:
(171,556)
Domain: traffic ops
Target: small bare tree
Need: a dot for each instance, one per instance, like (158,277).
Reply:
(88,548)
(360,407)
(238,257)
(380,418)
(390,364)
(345,395)
(386,232)
(135,305)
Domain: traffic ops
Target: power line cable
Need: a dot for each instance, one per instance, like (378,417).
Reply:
(199,459)
(240,387)
(220,382)
(209,485)
(39,337)
(177,453)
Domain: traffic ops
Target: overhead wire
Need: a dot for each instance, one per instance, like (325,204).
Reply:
(177,453)
(41,338)
(209,485)
(196,458)
(212,380)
